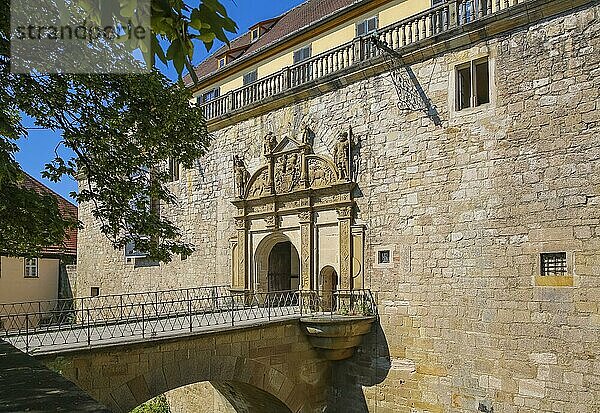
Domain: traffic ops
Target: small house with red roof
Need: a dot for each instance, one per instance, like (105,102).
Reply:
(44,277)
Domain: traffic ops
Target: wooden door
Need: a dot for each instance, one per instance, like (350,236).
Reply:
(280,267)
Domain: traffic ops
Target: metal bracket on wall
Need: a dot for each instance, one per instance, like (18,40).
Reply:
(410,92)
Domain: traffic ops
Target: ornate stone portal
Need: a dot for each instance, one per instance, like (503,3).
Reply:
(306,200)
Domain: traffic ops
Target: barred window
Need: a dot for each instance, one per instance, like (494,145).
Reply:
(553,264)
(383,257)
(173,170)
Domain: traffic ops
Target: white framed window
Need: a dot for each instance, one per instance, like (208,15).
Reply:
(302,54)
(208,96)
(367,26)
(31,268)
(472,84)
(255,34)
(250,77)
(222,62)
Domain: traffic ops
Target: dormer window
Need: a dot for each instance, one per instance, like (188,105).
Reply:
(222,62)
(255,34)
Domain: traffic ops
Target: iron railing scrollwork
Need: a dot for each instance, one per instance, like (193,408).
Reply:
(62,324)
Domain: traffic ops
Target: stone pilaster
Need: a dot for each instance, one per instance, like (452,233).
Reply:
(306,238)
(241,281)
(344,223)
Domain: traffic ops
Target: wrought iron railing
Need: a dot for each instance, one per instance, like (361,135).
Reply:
(129,317)
(410,31)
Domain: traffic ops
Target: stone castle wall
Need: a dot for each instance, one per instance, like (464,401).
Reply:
(465,207)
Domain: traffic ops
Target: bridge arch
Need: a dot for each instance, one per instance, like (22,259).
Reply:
(238,379)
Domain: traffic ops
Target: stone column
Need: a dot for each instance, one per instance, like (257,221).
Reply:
(241,283)
(344,223)
(306,259)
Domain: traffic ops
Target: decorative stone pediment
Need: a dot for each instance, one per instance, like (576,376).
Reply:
(288,144)
(289,166)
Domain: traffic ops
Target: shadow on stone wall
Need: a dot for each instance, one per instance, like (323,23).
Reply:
(246,398)
(368,367)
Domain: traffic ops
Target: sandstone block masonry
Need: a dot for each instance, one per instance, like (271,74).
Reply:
(466,207)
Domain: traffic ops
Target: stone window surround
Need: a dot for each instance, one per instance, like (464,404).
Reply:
(568,280)
(391,249)
(452,84)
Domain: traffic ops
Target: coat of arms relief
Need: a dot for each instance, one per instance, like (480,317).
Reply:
(290,165)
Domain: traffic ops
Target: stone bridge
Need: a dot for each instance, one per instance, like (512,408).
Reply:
(263,353)
(260,368)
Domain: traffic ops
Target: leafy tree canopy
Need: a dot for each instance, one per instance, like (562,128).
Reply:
(122,128)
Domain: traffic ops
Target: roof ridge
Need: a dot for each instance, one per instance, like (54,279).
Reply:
(50,189)
(290,24)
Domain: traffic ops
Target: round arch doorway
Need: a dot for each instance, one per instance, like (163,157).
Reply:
(283,272)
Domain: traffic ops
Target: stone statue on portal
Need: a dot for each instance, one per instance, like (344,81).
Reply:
(241,175)
(341,156)
(269,143)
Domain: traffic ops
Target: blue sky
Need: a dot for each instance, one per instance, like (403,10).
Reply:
(38,148)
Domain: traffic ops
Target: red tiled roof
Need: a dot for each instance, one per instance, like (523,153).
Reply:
(67,210)
(289,23)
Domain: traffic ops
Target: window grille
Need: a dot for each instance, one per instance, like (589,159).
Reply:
(553,264)
(383,257)
(173,170)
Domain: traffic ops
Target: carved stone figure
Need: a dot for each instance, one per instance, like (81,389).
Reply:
(241,176)
(341,156)
(344,212)
(305,216)
(306,135)
(272,221)
(287,173)
(319,174)
(260,186)
(269,143)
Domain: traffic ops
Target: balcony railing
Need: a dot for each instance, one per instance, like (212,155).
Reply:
(429,23)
